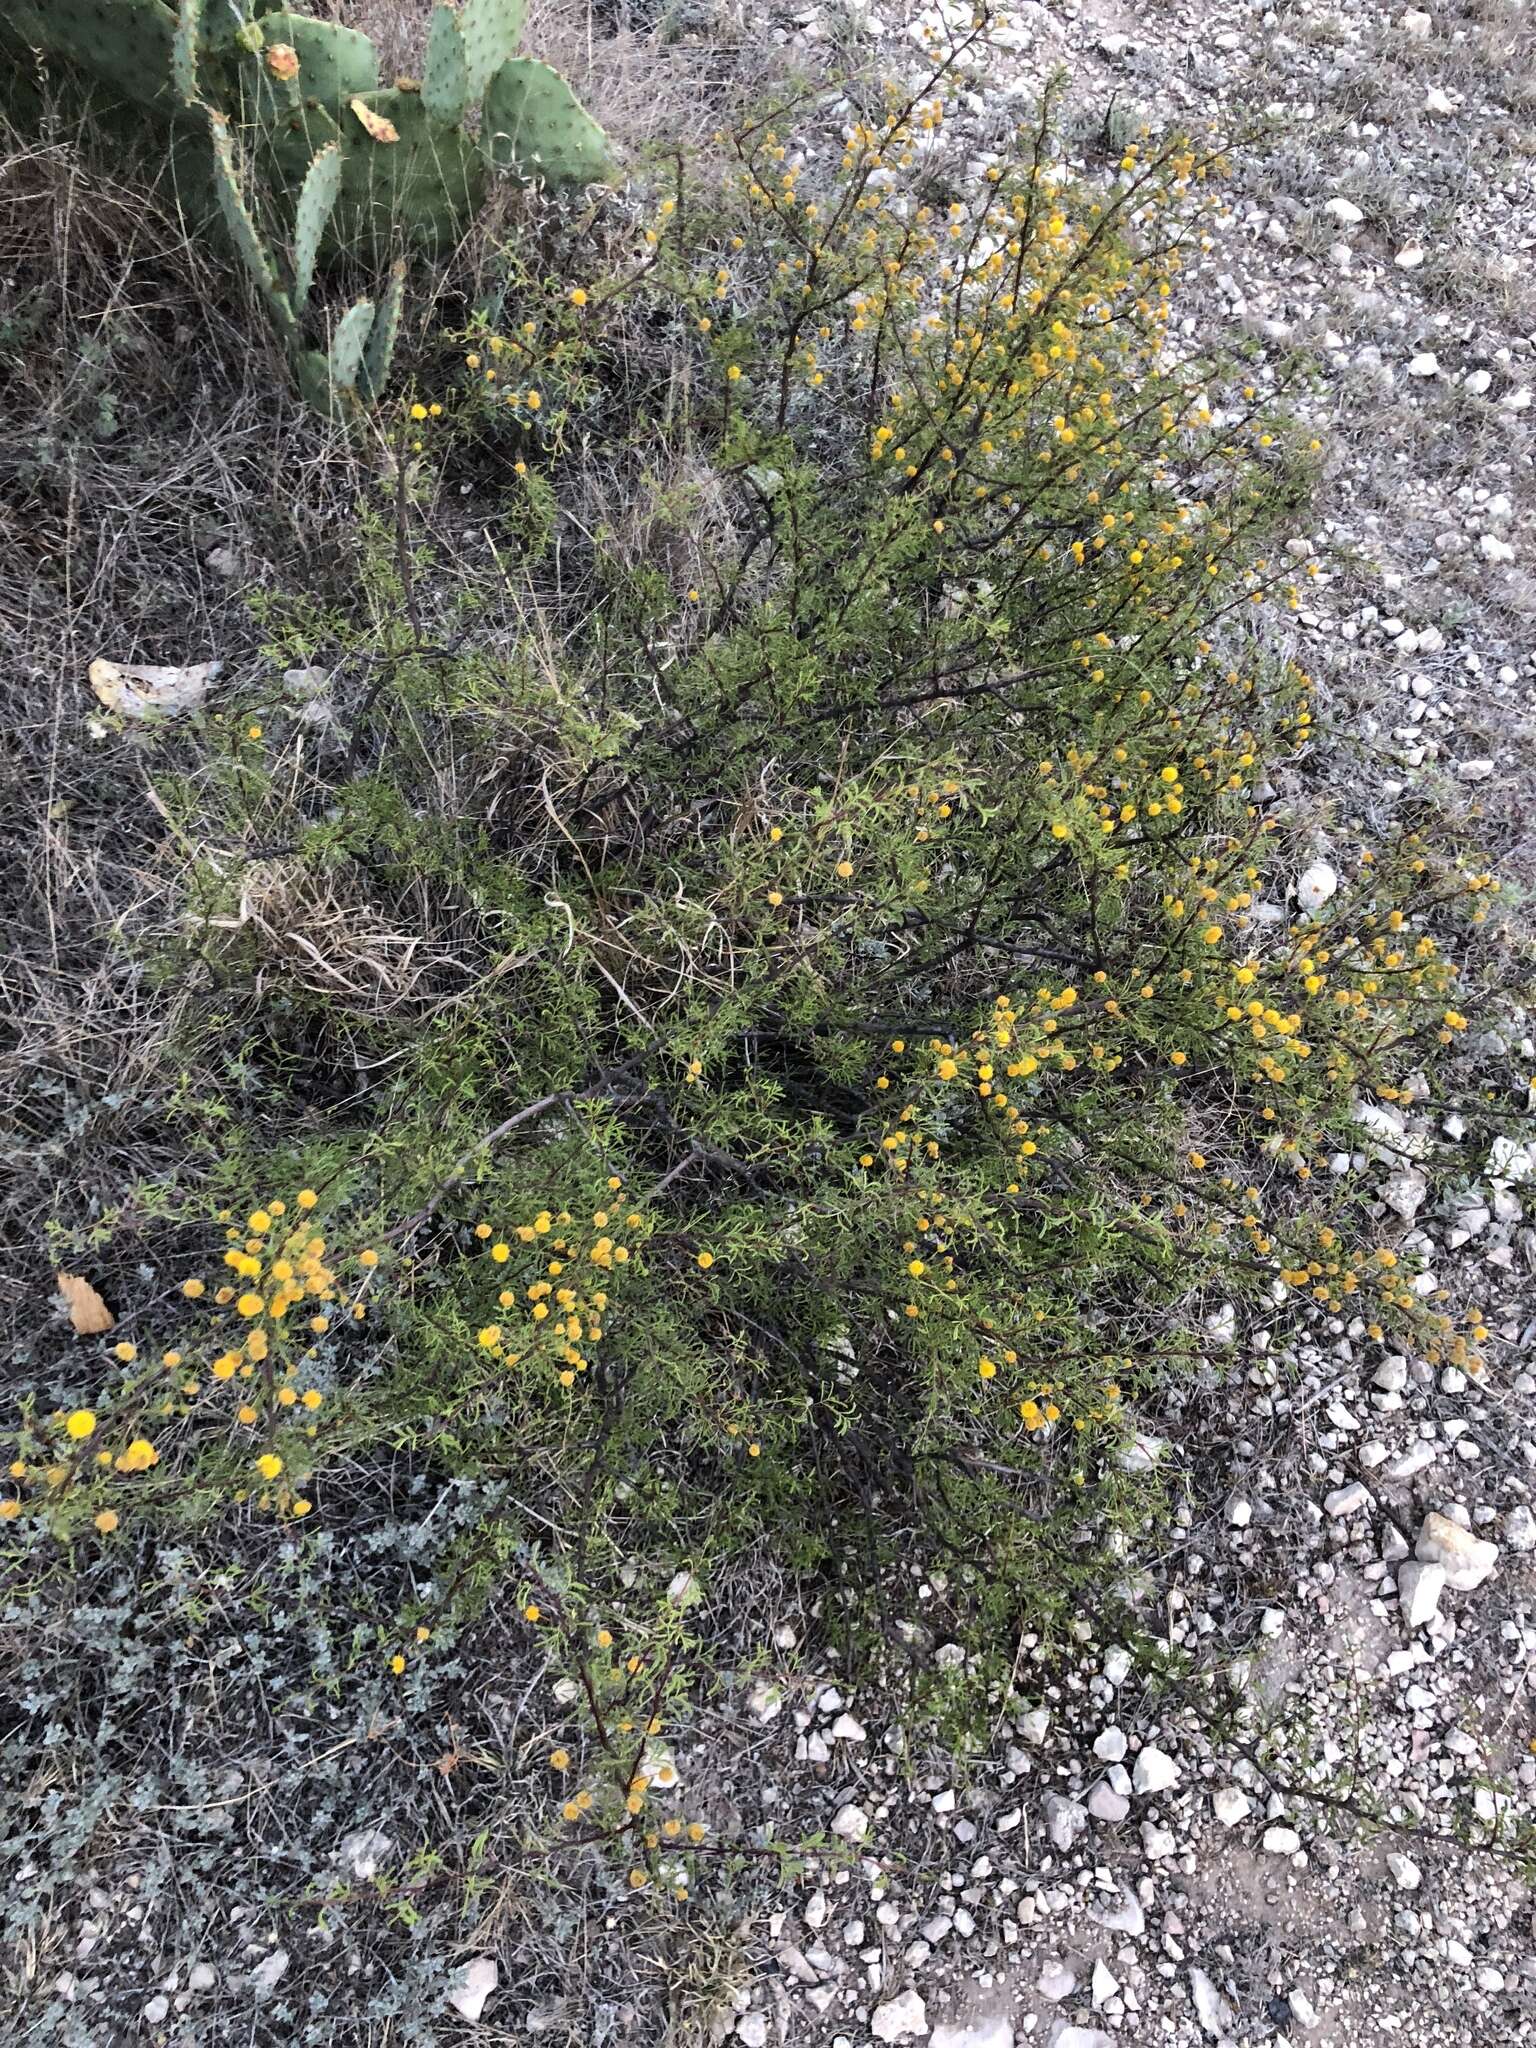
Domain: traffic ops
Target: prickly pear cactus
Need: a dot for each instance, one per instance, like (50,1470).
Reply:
(290,109)
(355,368)
(535,126)
(250,244)
(312,216)
(380,352)
(348,342)
(186,46)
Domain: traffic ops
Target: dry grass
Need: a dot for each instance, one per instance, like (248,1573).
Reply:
(324,938)
(149,429)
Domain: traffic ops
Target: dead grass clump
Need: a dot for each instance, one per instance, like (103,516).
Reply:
(321,935)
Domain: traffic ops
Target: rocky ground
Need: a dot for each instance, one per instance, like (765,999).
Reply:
(1318,1825)
(1327,1835)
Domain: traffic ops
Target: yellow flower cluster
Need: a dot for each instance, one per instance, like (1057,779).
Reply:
(553,1316)
(279,1267)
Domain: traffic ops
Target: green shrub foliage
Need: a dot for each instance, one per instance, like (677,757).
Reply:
(875,1051)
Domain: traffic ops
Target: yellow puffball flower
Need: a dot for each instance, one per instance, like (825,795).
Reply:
(106,1521)
(302,1507)
(397,1663)
(259,1220)
(369,1259)
(269,1464)
(559,1760)
(706,1260)
(126,1352)
(490,1336)
(531,1612)
(845,869)
(307,1198)
(194,1290)
(80,1424)
(578,297)
(249,1305)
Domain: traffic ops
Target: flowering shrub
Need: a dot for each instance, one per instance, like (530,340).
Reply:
(894,1055)
(915,909)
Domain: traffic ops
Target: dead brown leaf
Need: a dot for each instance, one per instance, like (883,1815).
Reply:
(377,126)
(87,1311)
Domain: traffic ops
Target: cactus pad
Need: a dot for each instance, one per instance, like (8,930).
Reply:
(536,127)
(334,63)
(247,237)
(127,44)
(489,30)
(380,352)
(184,50)
(312,216)
(445,82)
(348,341)
(426,187)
